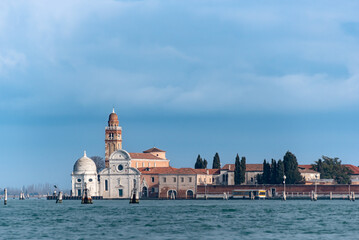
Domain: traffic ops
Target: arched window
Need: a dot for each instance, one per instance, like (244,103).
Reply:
(106,185)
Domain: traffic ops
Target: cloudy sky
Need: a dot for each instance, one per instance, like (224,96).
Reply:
(256,78)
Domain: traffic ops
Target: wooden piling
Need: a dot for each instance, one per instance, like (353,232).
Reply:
(5,196)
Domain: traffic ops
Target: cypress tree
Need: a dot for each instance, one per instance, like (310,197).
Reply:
(266,172)
(280,172)
(243,170)
(199,163)
(273,167)
(205,163)
(237,171)
(291,168)
(216,162)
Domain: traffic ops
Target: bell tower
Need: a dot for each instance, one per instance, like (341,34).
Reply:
(113,139)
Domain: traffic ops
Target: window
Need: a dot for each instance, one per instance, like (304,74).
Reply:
(120,167)
(252,179)
(78,180)
(106,185)
(79,192)
(98,177)
(120,192)
(152,179)
(182,179)
(164,179)
(189,179)
(174,179)
(153,189)
(90,180)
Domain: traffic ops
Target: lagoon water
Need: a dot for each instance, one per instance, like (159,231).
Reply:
(180,219)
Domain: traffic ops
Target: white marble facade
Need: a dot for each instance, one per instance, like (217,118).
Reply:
(115,182)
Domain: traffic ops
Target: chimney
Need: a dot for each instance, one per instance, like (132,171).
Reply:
(229,168)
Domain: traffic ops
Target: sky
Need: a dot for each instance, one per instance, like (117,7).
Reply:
(257,78)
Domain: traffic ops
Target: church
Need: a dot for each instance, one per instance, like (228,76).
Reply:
(120,178)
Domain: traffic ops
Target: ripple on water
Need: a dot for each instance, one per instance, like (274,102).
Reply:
(41,219)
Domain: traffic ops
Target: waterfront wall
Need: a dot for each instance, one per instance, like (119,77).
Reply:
(278,188)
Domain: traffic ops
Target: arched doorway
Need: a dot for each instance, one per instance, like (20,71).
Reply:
(172,194)
(144,192)
(189,194)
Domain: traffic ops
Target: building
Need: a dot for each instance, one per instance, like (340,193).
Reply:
(152,157)
(120,178)
(354,173)
(84,175)
(169,183)
(252,170)
(308,173)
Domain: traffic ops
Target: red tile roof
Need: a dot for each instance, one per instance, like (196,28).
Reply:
(204,171)
(144,156)
(306,170)
(167,170)
(305,166)
(354,169)
(154,149)
(249,167)
(156,170)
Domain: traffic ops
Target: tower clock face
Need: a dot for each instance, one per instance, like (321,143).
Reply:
(120,167)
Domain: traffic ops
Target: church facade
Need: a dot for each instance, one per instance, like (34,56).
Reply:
(120,178)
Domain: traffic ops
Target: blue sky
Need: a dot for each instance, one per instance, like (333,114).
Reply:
(256,78)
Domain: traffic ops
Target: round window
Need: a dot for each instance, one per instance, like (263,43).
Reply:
(79,180)
(90,180)
(120,167)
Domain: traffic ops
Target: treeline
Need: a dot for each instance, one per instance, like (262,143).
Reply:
(274,172)
(332,168)
(239,171)
(202,163)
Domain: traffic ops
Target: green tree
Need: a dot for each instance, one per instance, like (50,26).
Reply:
(205,163)
(266,172)
(216,162)
(291,169)
(332,168)
(259,178)
(243,170)
(199,163)
(237,171)
(273,172)
(279,172)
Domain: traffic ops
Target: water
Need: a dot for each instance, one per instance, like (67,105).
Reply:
(180,219)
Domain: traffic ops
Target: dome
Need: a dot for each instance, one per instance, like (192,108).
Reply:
(85,165)
(113,119)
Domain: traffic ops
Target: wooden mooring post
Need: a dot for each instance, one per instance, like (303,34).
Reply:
(5,196)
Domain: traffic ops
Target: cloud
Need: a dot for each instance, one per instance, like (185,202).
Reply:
(219,56)
(11,59)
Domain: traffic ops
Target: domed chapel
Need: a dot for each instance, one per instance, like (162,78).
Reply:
(120,176)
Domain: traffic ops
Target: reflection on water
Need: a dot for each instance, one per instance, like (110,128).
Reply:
(179,219)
